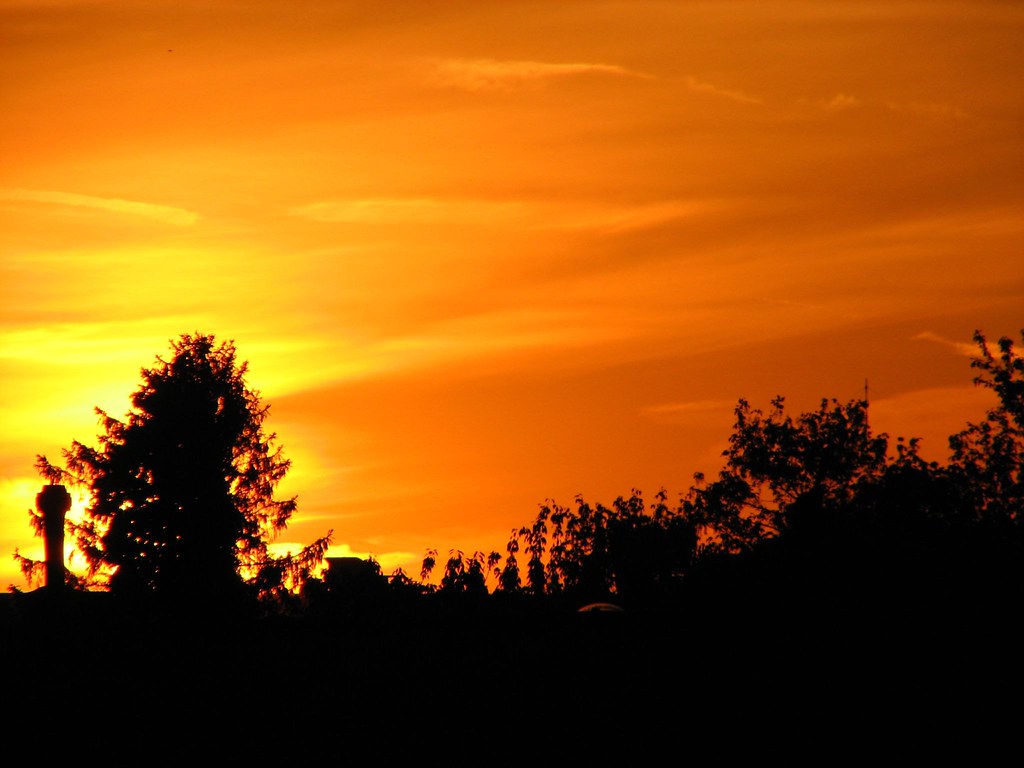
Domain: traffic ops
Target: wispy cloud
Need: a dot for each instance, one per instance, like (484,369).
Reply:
(962,348)
(499,334)
(490,74)
(106,343)
(164,213)
(929,109)
(571,214)
(690,412)
(411,210)
(839,102)
(627,218)
(702,87)
(931,414)
(692,406)
(18,4)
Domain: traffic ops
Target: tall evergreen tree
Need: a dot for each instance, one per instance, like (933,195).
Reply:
(182,490)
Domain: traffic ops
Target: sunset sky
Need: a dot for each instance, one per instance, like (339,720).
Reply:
(481,254)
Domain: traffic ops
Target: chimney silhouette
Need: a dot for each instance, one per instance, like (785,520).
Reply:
(53,502)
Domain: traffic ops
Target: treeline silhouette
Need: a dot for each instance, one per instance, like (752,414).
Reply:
(812,508)
(812,512)
(828,589)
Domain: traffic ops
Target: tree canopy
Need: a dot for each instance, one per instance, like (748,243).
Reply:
(988,456)
(182,490)
(816,500)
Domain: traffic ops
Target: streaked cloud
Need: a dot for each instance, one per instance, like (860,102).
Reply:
(700,86)
(931,414)
(961,348)
(569,214)
(477,337)
(839,102)
(692,406)
(626,218)
(80,343)
(407,210)
(937,110)
(491,74)
(165,213)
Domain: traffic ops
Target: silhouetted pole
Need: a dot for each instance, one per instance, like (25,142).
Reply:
(53,502)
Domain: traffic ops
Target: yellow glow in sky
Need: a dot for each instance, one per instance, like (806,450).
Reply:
(483,254)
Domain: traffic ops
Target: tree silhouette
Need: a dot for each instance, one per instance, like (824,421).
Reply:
(988,457)
(777,468)
(462,573)
(591,552)
(819,505)
(182,490)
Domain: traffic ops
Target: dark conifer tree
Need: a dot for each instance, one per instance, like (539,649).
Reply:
(182,490)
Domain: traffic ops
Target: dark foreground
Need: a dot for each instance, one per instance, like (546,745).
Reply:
(505,687)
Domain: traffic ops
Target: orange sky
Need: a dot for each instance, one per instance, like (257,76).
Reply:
(479,254)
